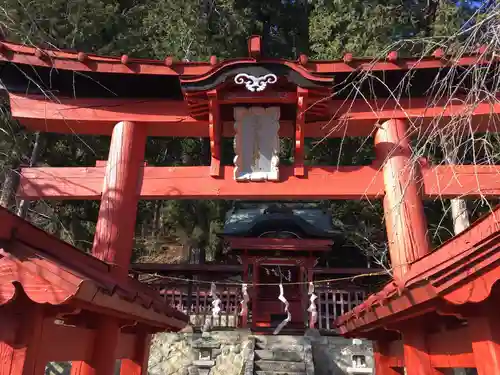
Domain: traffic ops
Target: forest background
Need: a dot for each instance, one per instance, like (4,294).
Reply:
(194,30)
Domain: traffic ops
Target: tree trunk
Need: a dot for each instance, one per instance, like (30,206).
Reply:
(10,186)
(459,215)
(24,204)
(458,206)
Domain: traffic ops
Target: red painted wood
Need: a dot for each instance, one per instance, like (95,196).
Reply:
(299,132)
(345,271)
(404,213)
(215,131)
(382,359)
(195,183)
(282,244)
(127,343)
(138,364)
(416,355)
(102,350)
(445,350)
(163,117)
(55,346)
(58,59)
(21,354)
(114,236)
(254,292)
(484,332)
(254,46)
(99,116)
(450,348)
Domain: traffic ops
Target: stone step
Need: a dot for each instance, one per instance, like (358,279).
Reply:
(279,366)
(289,343)
(280,355)
(284,346)
(279,373)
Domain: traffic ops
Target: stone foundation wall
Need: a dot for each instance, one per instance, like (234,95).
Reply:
(214,353)
(225,353)
(333,355)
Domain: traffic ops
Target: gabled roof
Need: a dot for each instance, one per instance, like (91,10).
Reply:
(252,220)
(50,271)
(461,271)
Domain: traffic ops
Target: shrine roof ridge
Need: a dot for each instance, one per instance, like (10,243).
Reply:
(193,70)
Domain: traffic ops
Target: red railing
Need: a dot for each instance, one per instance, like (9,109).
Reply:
(198,304)
(332,303)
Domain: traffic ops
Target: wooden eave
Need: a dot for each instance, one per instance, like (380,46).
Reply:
(51,271)
(462,271)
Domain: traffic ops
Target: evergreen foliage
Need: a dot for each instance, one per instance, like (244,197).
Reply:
(194,30)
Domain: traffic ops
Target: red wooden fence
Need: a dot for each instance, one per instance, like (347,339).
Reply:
(195,301)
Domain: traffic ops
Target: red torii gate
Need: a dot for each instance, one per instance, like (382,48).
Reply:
(181,99)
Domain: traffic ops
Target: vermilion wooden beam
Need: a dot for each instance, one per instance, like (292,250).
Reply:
(320,183)
(172,118)
(99,116)
(236,269)
(281,244)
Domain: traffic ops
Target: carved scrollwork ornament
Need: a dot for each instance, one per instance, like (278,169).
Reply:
(253,83)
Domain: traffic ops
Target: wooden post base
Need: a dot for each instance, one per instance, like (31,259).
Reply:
(484,332)
(416,356)
(139,364)
(20,338)
(382,359)
(103,357)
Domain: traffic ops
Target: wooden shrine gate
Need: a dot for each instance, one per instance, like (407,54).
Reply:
(256,100)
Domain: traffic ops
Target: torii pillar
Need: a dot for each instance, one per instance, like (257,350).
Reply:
(113,242)
(405,220)
(406,227)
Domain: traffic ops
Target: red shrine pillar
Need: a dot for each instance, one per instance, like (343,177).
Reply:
(484,333)
(382,359)
(138,365)
(114,239)
(404,212)
(114,235)
(416,356)
(21,332)
(406,227)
